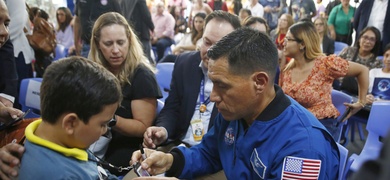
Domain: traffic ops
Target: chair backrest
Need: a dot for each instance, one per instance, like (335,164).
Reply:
(61,52)
(338,100)
(164,76)
(29,96)
(343,160)
(339,46)
(380,58)
(379,121)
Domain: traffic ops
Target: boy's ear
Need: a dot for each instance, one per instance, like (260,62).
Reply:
(70,122)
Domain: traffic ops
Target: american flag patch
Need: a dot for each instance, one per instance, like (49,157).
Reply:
(300,168)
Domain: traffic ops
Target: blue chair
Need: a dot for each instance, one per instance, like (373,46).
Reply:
(164,76)
(338,100)
(378,126)
(61,52)
(29,96)
(339,46)
(380,58)
(343,161)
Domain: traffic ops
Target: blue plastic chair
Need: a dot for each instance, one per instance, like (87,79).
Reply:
(343,161)
(378,126)
(61,52)
(164,76)
(29,96)
(339,46)
(338,100)
(380,58)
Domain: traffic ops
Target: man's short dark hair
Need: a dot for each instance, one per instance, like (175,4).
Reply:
(224,16)
(77,85)
(247,51)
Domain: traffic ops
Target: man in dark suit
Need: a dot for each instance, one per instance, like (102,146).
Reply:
(8,75)
(371,13)
(186,110)
(137,14)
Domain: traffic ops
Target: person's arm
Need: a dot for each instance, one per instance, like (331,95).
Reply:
(154,136)
(361,73)
(144,112)
(10,156)
(331,23)
(77,34)
(156,162)
(8,114)
(147,16)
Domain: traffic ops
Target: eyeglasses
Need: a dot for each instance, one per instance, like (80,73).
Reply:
(112,122)
(319,24)
(286,39)
(369,39)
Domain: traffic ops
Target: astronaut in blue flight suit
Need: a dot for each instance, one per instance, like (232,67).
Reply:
(259,133)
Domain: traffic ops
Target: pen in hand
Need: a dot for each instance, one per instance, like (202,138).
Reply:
(142,152)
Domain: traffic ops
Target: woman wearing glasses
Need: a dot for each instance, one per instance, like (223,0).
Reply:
(364,52)
(327,44)
(308,77)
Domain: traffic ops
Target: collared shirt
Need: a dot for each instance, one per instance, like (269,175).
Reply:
(208,86)
(6,96)
(164,25)
(257,10)
(378,13)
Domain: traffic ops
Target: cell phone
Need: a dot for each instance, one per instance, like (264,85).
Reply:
(19,118)
(343,116)
(139,171)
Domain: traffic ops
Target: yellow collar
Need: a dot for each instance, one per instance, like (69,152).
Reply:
(79,154)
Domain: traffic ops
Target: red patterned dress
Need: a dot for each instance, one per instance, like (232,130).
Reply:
(314,93)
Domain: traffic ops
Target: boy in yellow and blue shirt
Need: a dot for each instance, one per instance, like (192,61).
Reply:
(78,102)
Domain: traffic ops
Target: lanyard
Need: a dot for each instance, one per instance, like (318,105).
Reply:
(203,102)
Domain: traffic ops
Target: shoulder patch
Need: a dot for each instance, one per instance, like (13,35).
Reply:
(300,168)
(257,165)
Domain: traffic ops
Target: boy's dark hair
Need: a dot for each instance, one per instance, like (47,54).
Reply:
(77,85)
(247,51)
(220,15)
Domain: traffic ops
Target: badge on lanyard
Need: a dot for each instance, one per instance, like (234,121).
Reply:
(197,129)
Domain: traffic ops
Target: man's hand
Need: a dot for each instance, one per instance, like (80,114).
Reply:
(6,102)
(10,156)
(8,114)
(156,162)
(154,136)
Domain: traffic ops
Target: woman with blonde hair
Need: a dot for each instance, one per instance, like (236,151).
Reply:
(308,77)
(117,48)
(327,44)
(278,34)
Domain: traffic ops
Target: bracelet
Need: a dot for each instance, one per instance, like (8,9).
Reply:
(362,104)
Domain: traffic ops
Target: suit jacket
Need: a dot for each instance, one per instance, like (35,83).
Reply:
(138,16)
(180,104)
(362,15)
(8,74)
(327,45)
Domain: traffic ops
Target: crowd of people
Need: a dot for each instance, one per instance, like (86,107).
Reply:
(244,79)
